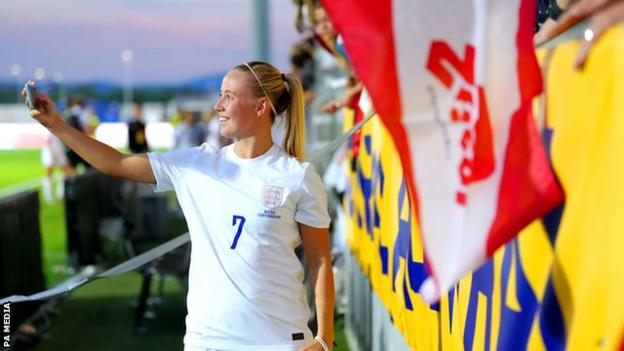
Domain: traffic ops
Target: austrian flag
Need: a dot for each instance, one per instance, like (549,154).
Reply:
(453,80)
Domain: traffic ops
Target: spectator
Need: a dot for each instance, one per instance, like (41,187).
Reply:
(77,119)
(53,156)
(189,132)
(137,140)
(602,15)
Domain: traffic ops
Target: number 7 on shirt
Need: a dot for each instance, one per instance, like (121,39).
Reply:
(239,230)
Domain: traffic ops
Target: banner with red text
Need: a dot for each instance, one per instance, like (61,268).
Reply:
(452,82)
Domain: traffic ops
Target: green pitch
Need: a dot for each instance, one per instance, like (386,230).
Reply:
(23,167)
(19,166)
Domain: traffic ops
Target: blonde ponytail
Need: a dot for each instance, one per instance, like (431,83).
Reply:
(294,140)
(285,94)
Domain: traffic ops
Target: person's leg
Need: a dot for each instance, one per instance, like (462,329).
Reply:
(46,184)
(68,172)
(60,187)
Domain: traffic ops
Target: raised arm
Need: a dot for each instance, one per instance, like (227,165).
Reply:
(603,14)
(316,247)
(102,157)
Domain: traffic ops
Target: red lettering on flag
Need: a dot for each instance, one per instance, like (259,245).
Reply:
(477,161)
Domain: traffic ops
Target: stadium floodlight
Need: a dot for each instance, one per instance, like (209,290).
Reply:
(40,73)
(126,55)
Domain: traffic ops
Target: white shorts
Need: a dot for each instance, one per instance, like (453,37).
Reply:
(53,154)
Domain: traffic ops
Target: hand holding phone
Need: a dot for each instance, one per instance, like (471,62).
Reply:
(31,92)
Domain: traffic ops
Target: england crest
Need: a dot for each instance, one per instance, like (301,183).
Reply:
(272,195)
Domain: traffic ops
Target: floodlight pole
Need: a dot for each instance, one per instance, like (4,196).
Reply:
(126,59)
(16,70)
(261,30)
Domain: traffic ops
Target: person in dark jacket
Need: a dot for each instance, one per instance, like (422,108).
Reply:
(137,141)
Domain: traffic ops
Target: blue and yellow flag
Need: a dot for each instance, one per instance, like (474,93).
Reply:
(560,283)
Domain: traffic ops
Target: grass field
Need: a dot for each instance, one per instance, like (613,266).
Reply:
(24,166)
(98,316)
(19,166)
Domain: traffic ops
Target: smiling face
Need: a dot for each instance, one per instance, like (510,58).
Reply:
(237,108)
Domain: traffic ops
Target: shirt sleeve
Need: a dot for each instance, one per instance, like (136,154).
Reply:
(312,206)
(167,167)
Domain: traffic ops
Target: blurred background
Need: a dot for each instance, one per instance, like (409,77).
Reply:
(115,53)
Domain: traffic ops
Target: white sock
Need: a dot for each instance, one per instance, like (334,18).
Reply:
(60,189)
(47,189)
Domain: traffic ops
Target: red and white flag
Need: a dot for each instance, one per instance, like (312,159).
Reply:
(453,81)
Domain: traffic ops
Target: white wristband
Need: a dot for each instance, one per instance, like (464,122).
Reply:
(322,342)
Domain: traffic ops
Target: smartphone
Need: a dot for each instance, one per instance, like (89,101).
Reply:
(31,91)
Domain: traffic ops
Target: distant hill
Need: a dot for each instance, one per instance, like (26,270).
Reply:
(7,84)
(100,86)
(207,83)
(110,91)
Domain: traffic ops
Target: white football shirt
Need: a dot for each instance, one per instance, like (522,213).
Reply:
(245,281)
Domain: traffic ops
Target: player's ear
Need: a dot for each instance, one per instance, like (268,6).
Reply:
(262,107)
